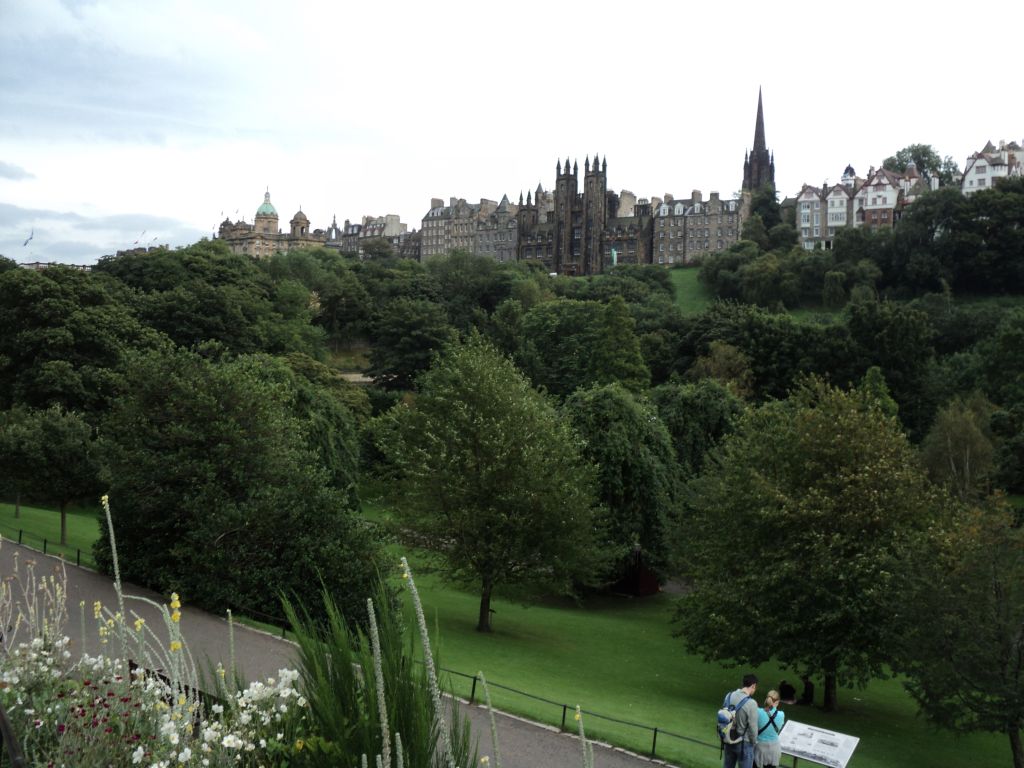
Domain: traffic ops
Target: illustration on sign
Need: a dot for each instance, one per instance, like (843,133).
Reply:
(817,744)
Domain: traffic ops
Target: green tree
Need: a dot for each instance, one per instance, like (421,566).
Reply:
(406,333)
(927,160)
(218,491)
(960,640)
(959,450)
(833,293)
(64,338)
(697,416)
(829,486)
(491,477)
(624,438)
(567,344)
(17,455)
(727,365)
(58,454)
(764,203)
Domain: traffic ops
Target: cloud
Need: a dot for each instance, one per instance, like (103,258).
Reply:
(12,171)
(69,237)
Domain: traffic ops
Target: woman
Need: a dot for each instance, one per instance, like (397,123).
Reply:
(769,722)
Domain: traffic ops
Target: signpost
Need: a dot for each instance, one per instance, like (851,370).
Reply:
(817,745)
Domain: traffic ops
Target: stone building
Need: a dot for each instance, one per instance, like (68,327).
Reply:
(686,230)
(496,232)
(453,226)
(264,237)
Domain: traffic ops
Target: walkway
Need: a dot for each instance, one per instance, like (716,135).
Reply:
(258,655)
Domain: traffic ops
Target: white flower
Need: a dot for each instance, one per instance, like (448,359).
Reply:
(137,756)
(217,709)
(232,742)
(185,755)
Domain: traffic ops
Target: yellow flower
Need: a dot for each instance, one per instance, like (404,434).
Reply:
(176,616)
(175,645)
(221,671)
(175,602)
(299,744)
(138,624)
(105,499)
(181,700)
(97,607)
(485,760)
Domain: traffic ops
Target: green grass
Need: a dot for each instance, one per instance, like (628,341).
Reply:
(350,358)
(692,297)
(616,656)
(37,524)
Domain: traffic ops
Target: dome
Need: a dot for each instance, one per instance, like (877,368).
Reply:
(266,209)
(300,216)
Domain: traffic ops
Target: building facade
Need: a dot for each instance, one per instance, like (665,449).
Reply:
(264,237)
(991,163)
(686,230)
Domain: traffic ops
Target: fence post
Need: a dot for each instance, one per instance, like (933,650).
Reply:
(654,743)
(472,692)
(78,558)
(564,707)
(44,546)
(20,531)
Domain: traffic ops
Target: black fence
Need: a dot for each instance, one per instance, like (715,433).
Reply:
(48,546)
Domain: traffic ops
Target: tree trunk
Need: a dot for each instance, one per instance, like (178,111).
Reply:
(1016,748)
(63,525)
(17,505)
(484,624)
(831,695)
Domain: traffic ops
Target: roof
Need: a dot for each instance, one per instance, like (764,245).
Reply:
(266,209)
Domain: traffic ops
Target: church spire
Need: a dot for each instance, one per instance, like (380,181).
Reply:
(758,164)
(759,144)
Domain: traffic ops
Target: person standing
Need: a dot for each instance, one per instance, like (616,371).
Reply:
(770,720)
(741,754)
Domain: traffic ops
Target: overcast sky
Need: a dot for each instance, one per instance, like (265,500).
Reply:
(119,117)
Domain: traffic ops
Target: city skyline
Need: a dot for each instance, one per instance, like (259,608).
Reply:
(122,122)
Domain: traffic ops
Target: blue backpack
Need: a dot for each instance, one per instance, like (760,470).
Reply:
(727,731)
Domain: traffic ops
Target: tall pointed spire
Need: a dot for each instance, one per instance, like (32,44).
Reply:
(758,164)
(759,145)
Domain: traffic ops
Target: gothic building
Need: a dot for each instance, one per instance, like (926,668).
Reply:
(570,241)
(758,164)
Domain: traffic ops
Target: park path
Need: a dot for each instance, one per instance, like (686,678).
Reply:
(258,655)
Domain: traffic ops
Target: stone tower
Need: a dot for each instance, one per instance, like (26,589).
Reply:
(758,164)
(595,212)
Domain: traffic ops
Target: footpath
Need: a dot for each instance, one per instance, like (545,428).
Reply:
(258,655)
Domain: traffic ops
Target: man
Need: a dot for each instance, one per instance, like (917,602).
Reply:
(741,754)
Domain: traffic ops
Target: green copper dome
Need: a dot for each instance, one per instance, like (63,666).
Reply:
(266,209)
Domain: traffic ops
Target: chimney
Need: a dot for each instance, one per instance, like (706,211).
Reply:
(695,196)
(436,202)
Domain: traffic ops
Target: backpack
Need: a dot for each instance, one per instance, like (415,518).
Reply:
(771,722)
(727,720)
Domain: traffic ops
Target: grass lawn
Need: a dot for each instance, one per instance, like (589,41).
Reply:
(352,357)
(616,657)
(38,524)
(691,296)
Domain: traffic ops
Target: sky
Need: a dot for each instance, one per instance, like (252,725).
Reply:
(150,121)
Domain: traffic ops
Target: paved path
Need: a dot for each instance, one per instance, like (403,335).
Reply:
(523,744)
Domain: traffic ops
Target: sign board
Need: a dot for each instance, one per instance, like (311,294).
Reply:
(809,742)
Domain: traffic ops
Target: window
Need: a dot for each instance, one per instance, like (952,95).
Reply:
(981,182)
(980,168)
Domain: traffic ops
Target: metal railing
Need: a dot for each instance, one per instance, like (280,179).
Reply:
(9,743)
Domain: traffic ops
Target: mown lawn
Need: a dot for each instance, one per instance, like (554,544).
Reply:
(692,297)
(616,656)
(37,524)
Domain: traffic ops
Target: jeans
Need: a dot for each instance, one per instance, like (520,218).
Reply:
(739,755)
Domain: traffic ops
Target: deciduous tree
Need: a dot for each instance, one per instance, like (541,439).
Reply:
(491,478)
(828,490)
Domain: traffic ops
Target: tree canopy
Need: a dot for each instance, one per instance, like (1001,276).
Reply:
(492,478)
(795,533)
